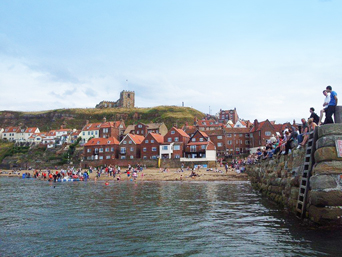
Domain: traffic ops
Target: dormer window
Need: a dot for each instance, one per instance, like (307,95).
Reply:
(98,142)
(193,140)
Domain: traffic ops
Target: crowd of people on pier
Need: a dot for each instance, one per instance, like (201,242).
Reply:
(283,144)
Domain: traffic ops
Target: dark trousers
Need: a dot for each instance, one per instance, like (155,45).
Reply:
(328,114)
(288,146)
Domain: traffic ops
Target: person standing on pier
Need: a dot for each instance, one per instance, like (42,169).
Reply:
(331,106)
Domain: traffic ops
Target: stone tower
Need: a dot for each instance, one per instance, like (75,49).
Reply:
(127,99)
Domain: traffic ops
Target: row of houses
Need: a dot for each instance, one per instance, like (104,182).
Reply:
(205,138)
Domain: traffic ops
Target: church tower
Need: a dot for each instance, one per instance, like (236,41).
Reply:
(127,99)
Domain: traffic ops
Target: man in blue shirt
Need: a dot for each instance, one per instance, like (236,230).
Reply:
(331,106)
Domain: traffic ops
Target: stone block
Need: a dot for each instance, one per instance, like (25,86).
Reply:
(322,198)
(321,182)
(338,114)
(326,154)
(329,167)
(324,214)
(327,141)
(329,129)
(294,193)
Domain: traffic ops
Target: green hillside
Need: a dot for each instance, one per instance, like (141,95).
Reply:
(76,118)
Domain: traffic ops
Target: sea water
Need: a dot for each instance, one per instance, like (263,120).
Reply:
(40,218)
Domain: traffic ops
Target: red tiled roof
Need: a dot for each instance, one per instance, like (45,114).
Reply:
(31,130)
(102,141)
(181,132)
(136,138)
(159,138)
(12,129)
(91,126)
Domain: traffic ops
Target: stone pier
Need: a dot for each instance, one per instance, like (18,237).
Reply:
(279,179)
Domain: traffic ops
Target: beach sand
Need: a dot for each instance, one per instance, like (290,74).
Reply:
(154,174)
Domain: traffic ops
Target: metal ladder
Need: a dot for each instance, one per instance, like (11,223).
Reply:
(309,161)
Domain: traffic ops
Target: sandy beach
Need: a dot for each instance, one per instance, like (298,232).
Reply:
(154,174)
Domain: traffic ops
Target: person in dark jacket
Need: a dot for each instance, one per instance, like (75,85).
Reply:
(314,116)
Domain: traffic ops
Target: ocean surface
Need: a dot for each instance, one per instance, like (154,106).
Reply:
(39,218)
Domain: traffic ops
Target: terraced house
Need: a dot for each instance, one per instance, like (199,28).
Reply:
(130,147)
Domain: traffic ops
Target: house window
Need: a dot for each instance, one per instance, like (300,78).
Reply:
(122,150)
(144,149)
(130,142)
(107,149)
(237,141)
(101,150)
(219,144)
(131,157)
(152,141)
(247,142)
(154,149)
(145,157)
(219,137)
(201,139)
(176,139)
(229,142)
(192,148)
(139,126)
(112,149)
(240,135)
(154,157)
(96,150)
(146,141)
(101,157)
(172,132)
(132,149)
(165,147)
(193,140)
(82,133)
(169,139)
(229,135)
(177,156)
(251,135)
(124,142)
(268,133)
(107,157)
(247,135)
(240,142)
(123,157)
(138,132)
(176,147)
(203,147)
(88,150)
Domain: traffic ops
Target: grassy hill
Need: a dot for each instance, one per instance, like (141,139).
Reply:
(76,118)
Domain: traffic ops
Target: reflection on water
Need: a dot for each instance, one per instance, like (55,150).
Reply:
(38,218)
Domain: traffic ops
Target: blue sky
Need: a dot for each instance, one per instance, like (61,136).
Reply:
(269,59)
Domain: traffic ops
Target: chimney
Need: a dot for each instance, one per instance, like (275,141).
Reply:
(87,122)
(256,124)
(104,120)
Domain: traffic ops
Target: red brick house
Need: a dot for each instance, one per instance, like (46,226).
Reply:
(218,137)
(101,149)
(112,129)
(261,132)
(130,147)
(226,115)
(237,140)
(150,146)
(200,146)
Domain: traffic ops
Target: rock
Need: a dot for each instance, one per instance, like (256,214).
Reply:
(320,182)
(322,214)
(327,141)
(294,193)
(329,129)
(330,167)
(322,198)
(338,114)
(326,154)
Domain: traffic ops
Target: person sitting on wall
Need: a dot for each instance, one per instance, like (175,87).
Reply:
(325,106)
(304,131)
(313,115)
(312,126)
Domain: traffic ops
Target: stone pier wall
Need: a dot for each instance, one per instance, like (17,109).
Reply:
(279,179)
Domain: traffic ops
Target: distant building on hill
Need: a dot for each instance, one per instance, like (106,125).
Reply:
(127,100)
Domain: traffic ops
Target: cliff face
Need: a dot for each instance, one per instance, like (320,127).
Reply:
(279,179)
(76,118)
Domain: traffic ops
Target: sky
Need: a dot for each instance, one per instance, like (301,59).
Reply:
(268,59)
